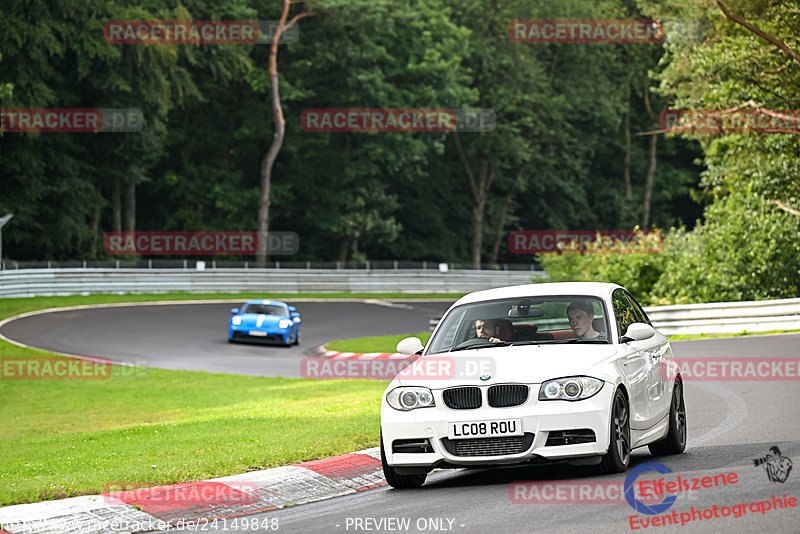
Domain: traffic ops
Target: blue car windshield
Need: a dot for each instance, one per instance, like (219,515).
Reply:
(266,309)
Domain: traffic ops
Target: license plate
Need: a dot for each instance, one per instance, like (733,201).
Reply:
(485,429)
(258,333)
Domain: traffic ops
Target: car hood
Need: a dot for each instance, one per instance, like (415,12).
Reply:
(259,320)
(532,364)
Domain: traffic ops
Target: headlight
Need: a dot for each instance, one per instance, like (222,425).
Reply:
(408,398)
(285,323)
(236,321)
(571,389)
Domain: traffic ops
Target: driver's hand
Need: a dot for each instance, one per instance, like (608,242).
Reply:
(495,340)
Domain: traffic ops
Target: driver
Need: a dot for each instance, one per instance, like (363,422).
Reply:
(580,314)
(487,329)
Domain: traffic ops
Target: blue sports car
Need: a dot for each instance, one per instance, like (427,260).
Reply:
(265,320)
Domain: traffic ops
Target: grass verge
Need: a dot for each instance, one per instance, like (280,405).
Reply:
(62,438)
(374,343)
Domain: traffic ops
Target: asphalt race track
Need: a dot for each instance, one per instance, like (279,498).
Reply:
(731,423)
(194,336)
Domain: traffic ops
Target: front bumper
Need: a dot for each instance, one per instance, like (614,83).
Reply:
(540,420)
(280,335)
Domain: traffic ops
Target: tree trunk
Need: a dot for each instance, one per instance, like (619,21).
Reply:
(479,186)
(627,127)
(277,140)
(344,247)
(498,237)
(116,208)
(651,170)
(130,205)
(95,226)
(477,232)
(648,186)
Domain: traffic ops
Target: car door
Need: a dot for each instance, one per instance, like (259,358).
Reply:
(638,363)
(659,382)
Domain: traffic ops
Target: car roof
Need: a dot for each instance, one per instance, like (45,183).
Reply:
(275,302)
(595,289)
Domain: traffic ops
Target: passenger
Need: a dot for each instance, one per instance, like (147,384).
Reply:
(581,314)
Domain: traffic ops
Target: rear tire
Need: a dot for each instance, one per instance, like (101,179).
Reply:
(399,481)
(618,457)
(675,440)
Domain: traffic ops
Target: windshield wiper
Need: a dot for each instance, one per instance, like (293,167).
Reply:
(489,344)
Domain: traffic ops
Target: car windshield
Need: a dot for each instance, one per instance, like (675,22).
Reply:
(266,309)
(523,321)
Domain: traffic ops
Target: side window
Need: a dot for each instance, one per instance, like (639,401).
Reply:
(623,311)
(641,316)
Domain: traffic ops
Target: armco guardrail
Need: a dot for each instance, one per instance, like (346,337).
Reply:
(46,282)
(726,317)
(718,317)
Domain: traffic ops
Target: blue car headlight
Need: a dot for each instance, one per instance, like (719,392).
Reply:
(285,323)
(236,321)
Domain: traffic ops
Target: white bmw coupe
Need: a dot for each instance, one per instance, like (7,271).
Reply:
(530,374)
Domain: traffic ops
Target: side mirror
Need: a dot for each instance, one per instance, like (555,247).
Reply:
(410,346)
(292,308)
(295,315)
(234,310)
(638,332)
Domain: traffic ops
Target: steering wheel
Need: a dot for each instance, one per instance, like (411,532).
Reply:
(474,342)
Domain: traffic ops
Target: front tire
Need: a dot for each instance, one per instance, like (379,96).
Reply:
(297,339)
(675,440)
(618,457)
(399,481)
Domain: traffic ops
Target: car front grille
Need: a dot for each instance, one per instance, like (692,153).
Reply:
(488,446)
(464,398)
(506,395)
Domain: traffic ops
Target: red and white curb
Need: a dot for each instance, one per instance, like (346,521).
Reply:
(163,507)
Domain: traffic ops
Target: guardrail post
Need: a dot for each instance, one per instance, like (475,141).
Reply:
(149,264)
(424,265)
(48,264)
(245,265)
(214,264)
(368,265)
(184,265)
(117,262)
(84,264)
(395,265)
(337,265)
(277,264)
